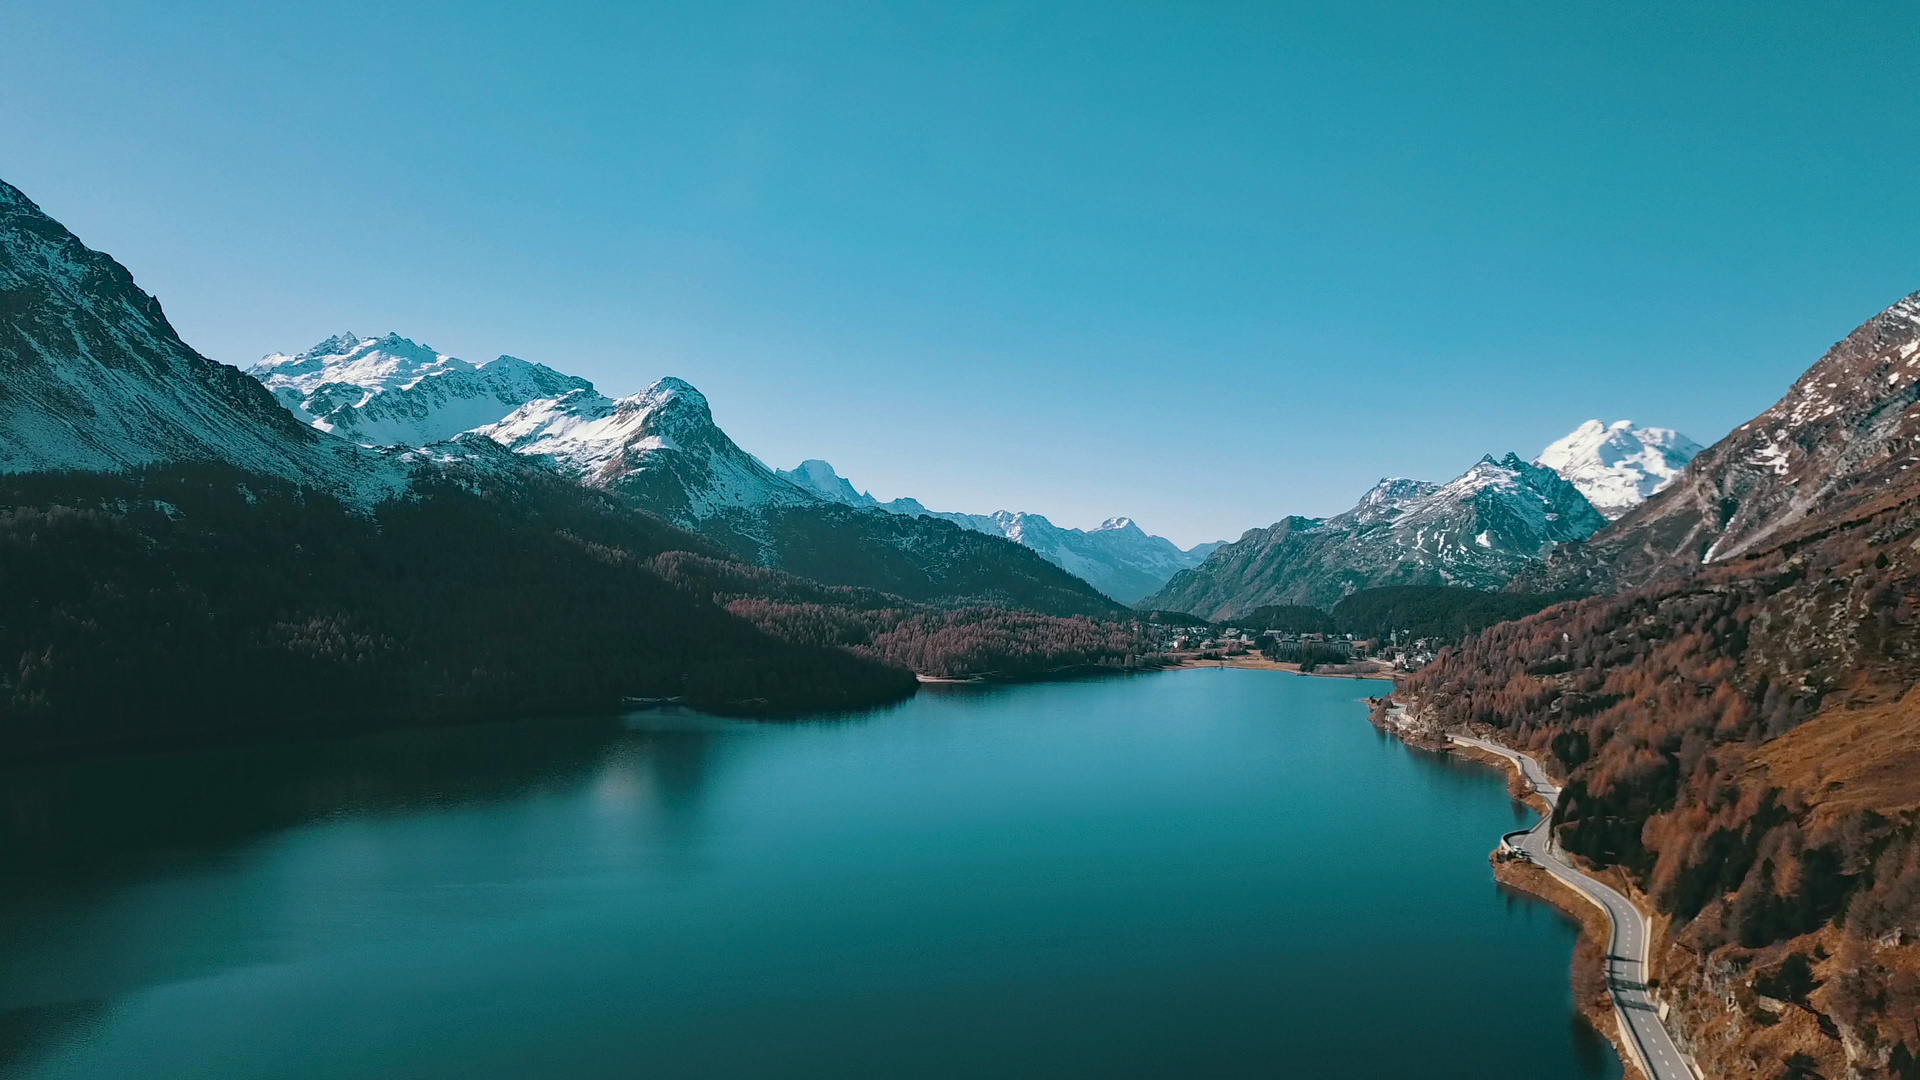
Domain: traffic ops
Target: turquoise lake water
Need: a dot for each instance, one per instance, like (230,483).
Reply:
(1205,873)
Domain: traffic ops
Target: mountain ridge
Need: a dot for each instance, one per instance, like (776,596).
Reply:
(390,390)
(1839,439)
(94,377)
(1118,557)
(1478,530)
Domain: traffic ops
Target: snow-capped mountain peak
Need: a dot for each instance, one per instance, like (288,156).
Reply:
(391,390)
(818,477)
(673,406)
(660,444)
(1388,498)
(1618,466)
(373,364)
(1476,530)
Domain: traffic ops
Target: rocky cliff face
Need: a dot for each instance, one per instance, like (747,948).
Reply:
(1476,530)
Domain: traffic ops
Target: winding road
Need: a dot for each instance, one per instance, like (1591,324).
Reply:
(1633,1004)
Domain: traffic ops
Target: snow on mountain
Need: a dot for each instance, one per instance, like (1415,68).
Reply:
(1476,530)
(1837,447)
(1118,558)
(388,391)
(818,477)
(93,377)
(660,445)
(1618,466)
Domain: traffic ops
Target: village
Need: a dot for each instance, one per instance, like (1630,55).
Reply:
(1309,650)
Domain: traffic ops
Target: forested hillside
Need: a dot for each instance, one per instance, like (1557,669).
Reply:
(1442,613)
(1742,739)
(944,642)
(189,604)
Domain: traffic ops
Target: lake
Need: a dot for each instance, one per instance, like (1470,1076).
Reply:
(1207,873)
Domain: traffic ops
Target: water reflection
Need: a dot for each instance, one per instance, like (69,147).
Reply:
(81,843)
(94,816)
(1126,878)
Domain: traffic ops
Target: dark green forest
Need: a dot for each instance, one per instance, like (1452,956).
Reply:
(1441,612)
(195,604)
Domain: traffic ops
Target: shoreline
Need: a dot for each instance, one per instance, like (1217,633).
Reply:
(1258,663)
(1591,980)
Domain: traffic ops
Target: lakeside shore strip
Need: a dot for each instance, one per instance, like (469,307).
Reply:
(1610,958)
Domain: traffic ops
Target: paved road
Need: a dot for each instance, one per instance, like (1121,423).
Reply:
(1626,953)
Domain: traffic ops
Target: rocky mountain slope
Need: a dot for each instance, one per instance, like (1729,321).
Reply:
(1738,728)
(1118,558)
(1618,466)
(1844,435)
(92,376)
(389,391)
(1477,530)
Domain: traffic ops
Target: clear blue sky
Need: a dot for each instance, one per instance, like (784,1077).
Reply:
(1204,265)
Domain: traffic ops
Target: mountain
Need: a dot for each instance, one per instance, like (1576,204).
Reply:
(1118,557)
(389,391)
(658,450)
(659,447)
(1841,441)
(92,376)
(183,561)
(1476,530)
(1736,725)
(661,451)
(1618,466)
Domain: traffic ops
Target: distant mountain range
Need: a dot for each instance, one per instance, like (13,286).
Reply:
(183,561)
(661,449)
(1118,558)
(1476,530)
(1479,530)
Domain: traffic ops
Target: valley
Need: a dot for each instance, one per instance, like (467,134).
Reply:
(1710,651)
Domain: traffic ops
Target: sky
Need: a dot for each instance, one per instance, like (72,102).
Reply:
(1204,265)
